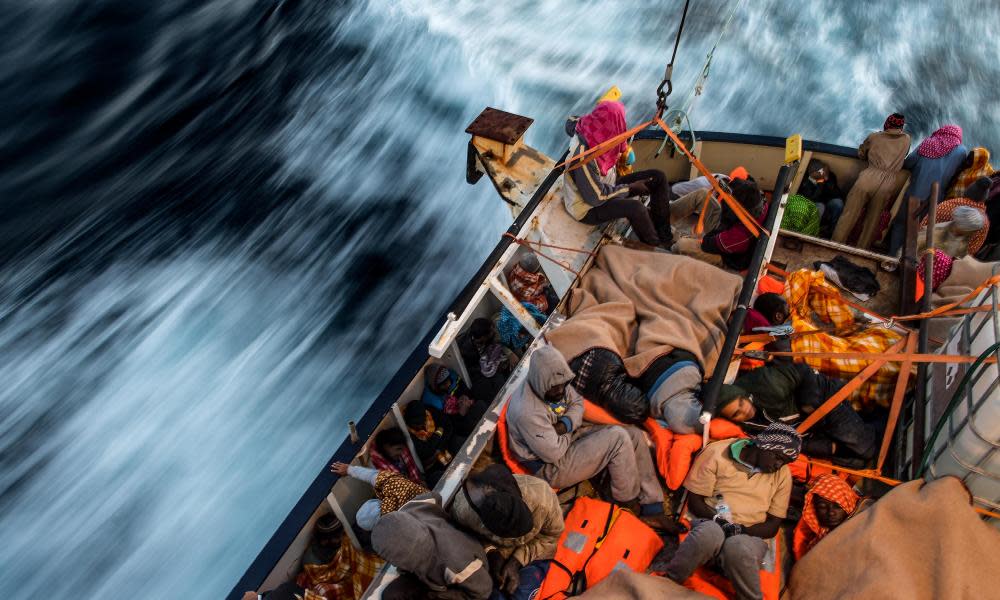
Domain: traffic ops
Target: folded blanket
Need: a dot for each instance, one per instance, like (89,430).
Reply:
(641,305)
(920,541)
(966,274)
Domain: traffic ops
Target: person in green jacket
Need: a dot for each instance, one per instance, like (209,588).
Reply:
(788,392)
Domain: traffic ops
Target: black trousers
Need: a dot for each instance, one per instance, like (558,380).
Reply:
(652,225)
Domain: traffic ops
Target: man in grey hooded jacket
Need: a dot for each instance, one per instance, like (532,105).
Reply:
(547,435)
(418,540)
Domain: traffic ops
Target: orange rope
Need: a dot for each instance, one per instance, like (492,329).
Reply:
(875,475)
(749,222)
(527,244)
(523,241)
(884,356)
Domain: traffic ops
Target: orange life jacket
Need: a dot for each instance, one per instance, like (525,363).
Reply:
(715,584)
(599,538)
(501,437)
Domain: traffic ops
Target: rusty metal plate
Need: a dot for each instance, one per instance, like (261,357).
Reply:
(499,126)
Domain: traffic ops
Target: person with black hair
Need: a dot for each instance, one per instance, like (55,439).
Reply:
(769,310)
(432,437)
(820,186)
(390,453)
(730,244)
(517,516)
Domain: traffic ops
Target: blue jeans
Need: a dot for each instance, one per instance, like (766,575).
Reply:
(829,215)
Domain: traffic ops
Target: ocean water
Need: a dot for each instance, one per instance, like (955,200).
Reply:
(225,223)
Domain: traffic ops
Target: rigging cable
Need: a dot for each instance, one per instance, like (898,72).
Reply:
(661,96)
(674,117)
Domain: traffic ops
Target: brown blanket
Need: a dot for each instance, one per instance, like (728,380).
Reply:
(642,305)
(919,541)
(966,275)
(625,584)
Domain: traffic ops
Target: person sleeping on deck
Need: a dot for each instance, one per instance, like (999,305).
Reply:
(769,310)
(730,243)
(547,435)
(390,453)
(752,479)
(488,362)
(672,383)
(435,559)
(528,283)
(517,516)
(593,196)
(433,438)
(445,391)
(788,392)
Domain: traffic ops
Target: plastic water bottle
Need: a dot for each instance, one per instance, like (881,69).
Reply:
(722,509)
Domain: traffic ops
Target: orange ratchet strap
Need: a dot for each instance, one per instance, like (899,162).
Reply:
(578,160)
(749,222)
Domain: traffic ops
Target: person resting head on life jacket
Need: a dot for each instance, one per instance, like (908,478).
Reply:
(518,518)
(738,492)
(788,392)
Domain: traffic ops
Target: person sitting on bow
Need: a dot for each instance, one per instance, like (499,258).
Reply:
(593,194)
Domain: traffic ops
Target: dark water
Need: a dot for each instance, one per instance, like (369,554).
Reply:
(226,222)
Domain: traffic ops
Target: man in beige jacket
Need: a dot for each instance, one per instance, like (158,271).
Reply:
(518,517)
(884,150)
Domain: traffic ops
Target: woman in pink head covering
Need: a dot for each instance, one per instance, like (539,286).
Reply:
(936,160)
(593,195)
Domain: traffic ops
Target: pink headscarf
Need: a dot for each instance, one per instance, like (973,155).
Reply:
(941,142)
(603,123)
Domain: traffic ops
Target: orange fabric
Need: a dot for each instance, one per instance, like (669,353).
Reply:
(681,454)
(674,463)
(805,470)
(723,429)
(715,584)
(749,222)
(897,401)
(594,413)
(501,436)
(748,364)
(809,531)
(739,173)
(583,546)
(770,285)
(852,385)
(663,443)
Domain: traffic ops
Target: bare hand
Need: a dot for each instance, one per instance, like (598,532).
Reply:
(250,596)
(464,404)
(560,427)
(339,468)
